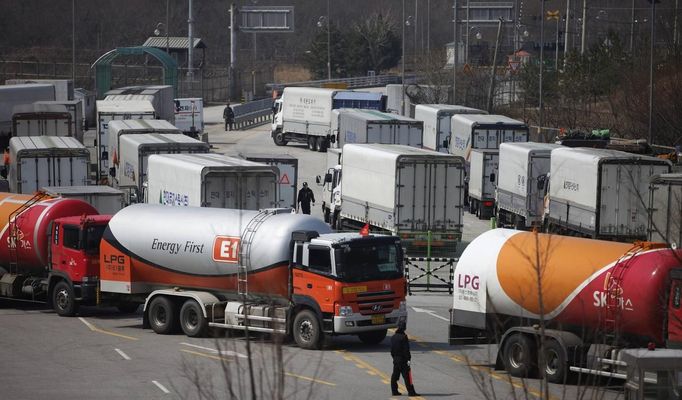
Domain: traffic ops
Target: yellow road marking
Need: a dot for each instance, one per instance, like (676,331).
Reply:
(305,378)
(99,330)
(371,370)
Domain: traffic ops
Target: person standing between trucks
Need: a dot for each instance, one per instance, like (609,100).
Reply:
(400,351)
(228,116)
(305,196)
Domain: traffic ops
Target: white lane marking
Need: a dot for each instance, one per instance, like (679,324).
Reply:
(223,352)
(89,325)
(160,386)
(124,355)
(431,313)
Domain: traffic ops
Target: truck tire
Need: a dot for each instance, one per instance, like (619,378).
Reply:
(307,333)
(519,355)
(373,337)
(163,315)
(63,300)
(322,144)
(278,138)
(192,320)
(556,365)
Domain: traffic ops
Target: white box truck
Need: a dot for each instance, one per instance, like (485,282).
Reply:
(130,169)
(161,96)
(370,126)
(46,161)
(524,168)
(287,180)
(483,172)
(189,116)
(436,119)
(413,193)
(601,193)
(75,108)
(210,180)
(63,88)
(665,209)
(116,110)
(478,131)
(118,129)
(14,95)
(304,114)
(43,120)
(105,199)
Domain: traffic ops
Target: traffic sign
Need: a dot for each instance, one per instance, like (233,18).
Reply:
(514,65)
(284,180)
(467,68)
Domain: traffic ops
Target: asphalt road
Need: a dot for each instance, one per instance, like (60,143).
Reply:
(103,354)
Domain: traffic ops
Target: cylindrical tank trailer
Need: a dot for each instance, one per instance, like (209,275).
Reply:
(507,281)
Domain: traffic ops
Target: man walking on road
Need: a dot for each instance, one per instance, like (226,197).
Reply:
(400,351)
(305,196)
(228,116)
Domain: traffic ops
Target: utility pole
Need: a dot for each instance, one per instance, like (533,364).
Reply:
(582,38)
(568,18)
(632,27)
(402,66)
(651,72)
(542,63)
(491,88)
(167,26)
(190,44)
(416,8)
(428,26)
(454,52)
(329,50)
(73,42)
(233,51)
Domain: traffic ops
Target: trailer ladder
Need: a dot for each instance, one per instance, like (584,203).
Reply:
(245,250)
(13,230)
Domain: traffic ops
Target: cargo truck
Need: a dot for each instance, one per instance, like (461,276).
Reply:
(118,129)
(210,180)
(46,161)
(108,111)
(199,268)
(412,193)
(287,180)
(665,209)
(129,172)
(105,199)
(189,116)
(75,108)
(522,168)
(351,125)
(590,300)
(437,118)
(483,173)
(304,114)
(600,193)
(44,120)
(161,97)
(63,88)
(14,95)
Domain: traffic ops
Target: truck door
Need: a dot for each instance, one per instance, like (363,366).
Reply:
(538,166)
(310,279)
(675,309)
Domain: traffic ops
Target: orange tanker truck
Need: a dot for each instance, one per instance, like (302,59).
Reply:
(586,299)
(195,268)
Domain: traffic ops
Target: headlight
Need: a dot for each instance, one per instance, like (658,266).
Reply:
(403,306)
(345,311)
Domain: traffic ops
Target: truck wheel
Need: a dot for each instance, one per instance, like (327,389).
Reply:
(278,138)
(373,337)
(519,355)
(307,332)
(192,320)
(322,144)
(163,315)
(63,300)
(556,366)
(127,307)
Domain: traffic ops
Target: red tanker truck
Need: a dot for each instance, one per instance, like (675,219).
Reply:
(594,299)
(195,268)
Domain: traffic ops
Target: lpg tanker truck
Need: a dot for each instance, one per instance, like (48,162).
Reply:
(593,299)
(199,268)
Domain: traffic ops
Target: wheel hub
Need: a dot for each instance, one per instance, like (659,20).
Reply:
(62,299)
(516,355)
(306,330)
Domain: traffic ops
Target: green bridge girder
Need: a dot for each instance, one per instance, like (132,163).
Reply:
(103,67)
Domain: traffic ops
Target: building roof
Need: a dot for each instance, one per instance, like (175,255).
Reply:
(174,42)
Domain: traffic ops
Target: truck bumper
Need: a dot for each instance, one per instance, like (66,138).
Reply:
(86,292)
(356,323)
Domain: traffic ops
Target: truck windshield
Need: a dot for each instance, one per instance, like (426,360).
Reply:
(91,238)
(362,262)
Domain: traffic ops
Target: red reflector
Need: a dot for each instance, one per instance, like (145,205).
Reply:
(488,203)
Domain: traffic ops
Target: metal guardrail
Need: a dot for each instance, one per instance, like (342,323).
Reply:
(428,273)
(351,83)
(253,113)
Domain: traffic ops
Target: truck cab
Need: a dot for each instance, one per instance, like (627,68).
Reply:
(356,280)
(74,261)
(277,116)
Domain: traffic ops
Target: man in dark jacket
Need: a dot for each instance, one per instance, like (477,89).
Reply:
(305,196)
(400,351)
(228,116)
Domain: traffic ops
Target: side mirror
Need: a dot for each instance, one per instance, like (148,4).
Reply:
(492,177)
(112,171)
(446,142)
(328,177)
(332,139)
(541,182)
(318,180)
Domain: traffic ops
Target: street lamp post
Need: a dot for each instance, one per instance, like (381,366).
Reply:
(73,42)
(402,66)
(322,22)
(651,73)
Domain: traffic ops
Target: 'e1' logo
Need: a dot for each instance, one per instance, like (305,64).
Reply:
(226,249)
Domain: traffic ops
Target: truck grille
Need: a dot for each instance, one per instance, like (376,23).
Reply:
(376,302)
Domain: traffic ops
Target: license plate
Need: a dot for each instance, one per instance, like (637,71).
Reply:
(378,319)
